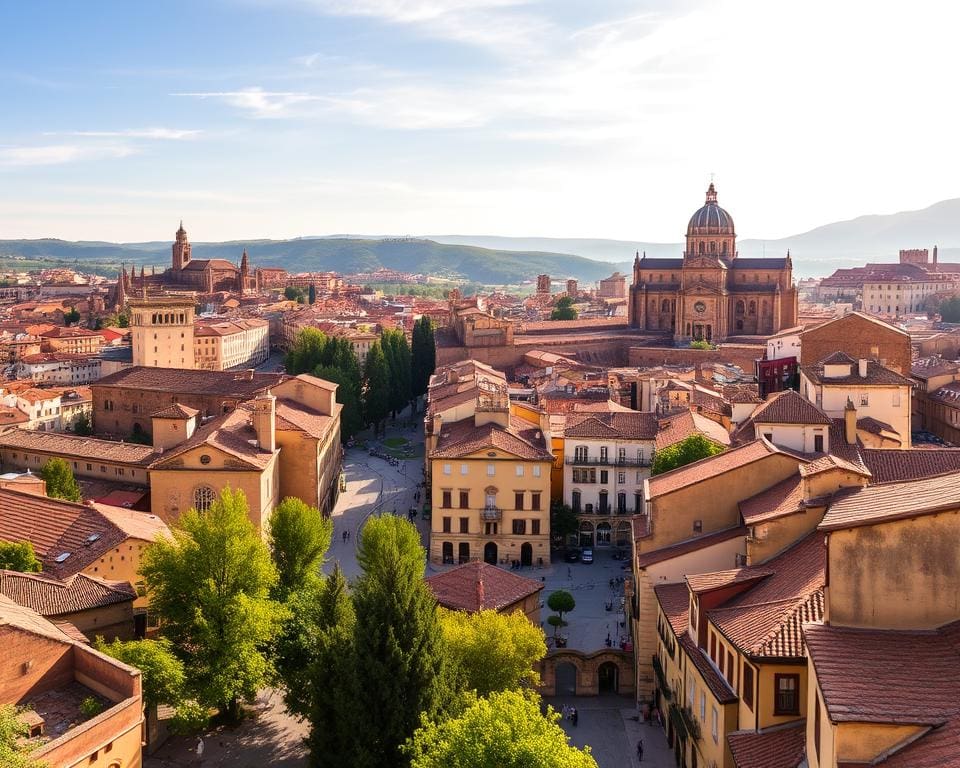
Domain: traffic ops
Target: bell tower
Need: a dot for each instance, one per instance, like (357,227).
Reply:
(181,249)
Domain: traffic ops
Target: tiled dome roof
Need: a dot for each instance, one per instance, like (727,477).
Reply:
(711,219)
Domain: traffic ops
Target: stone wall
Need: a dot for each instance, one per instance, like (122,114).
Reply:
(587,666)
(743,355)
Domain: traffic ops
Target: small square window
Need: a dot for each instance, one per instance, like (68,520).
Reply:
(536,470)
(491,470)
(464,469)
(519,470)
(447,469)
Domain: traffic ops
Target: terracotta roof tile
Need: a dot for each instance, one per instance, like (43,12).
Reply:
(74,446)
(615,426)
(706,582)
(892,501)
(925,367)
(50,596)
(877,374)
(780,747)
(784,498)
(674,600)
(895,465)
(479,586)
(710,467)
(175,411)
(788,407)
(829,462)
(27,620)
(645,559)
(186,381)
(231,433)
(294,417)
(718,686)
(462,438)
(680,426)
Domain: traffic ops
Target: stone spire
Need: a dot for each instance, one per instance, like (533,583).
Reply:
(121,298)
(244,271)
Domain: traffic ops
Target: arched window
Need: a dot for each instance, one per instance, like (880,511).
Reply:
(753,307)
(203,497)
(653,305)
(741,308)
(702,249)
(724,250)
(665,306)
(713,247)
(764,308)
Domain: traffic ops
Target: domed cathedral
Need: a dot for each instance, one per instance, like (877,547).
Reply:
(710,294)
(206,275)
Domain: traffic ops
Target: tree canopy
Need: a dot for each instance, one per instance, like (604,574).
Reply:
(493,651)
(61,484)
(14,750)
(688,450)
(396,351)
(19,556)
(299,536)
(505,730)
(423,356)
(562,602)
(210,586)
(377,392)
(564,309)
(163,677)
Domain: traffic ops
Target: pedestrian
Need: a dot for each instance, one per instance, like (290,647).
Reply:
(640,750)
(565,712)
(344,537)
(569,573)
(200,750)
(575,716)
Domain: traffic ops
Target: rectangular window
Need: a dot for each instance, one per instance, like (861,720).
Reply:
(698,526)
(714,725)
(519,470)
(446,524)
(490,529)
(816,725)
(464,499)
(621,455)
(464,469)
(748,686)
(786,698)
(519,527)
(603,454)
(491,470)
(691,692)
(818,443)
(721,656)
(447,469)
(535,527)
(703,706)
(731,671)
(518,500)
(713,647)
(535,502)
(864,398)
(447,500)
(580,453)
(536,470)
(604,476)
(621,477)
(464,525)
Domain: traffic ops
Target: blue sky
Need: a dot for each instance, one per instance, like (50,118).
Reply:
(599,118)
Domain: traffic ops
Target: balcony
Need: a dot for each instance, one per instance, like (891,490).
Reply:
(598,512)
(595,461)
(690,722)
(662,679)
(491,514)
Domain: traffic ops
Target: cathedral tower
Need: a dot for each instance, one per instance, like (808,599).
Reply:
(181,250)
(710,231)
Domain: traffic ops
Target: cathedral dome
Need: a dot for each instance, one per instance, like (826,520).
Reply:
(711,219)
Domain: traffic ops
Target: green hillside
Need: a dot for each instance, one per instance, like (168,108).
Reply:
(345,255)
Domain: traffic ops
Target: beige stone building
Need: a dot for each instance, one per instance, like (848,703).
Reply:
(162,331)
(489,472)
(220,345)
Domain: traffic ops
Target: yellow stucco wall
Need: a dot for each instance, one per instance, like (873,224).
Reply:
(902,574)
(122,563)
(769,539)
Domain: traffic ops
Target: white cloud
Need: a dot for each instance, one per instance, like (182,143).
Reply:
(59,154)
(257,101)
(163,134)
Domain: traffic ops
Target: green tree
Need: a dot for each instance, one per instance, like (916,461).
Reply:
(402,669)
(688,450)
(123,320)
(423,356)
(562,602)
(312,294)
(506,730)
(163,676)
(210,586)
(14,749)
(348,395)
(493,651)
(82,425)
(72,317)
(19,556)
(292,293)
(397,354)
(376,393)
(299,536)
(564,309)
(564,522)
(61,484)
(307,351)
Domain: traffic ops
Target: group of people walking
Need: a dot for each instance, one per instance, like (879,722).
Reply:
(570,713)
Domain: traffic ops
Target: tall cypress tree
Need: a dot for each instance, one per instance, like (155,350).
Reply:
(312,294)
(424,356)
(376,393)
(397,352)
(402,670)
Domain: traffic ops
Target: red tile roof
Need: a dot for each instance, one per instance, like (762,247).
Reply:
(175,411)
(707,582)
(892,501)
(231,433)
(784,498)
(614,426)
(479,586)
(74,446)
(645,559)
(674,600)
(520,439)
(50,596)
(22,618)
(712,466)
(779,747)
(877,374)
(295,417)
(896,465)
(235,384)
(788,407)
(680,426)
(718,686)
(829,462)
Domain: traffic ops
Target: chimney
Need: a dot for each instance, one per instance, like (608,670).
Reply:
(480,594)
(248,374)
(453,375)
(264,420)
(862,368)
(934,255)
(850,423)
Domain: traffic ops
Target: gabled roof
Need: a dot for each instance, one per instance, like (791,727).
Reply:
(783,746)
(175,411)
(645,559)
(892,501)
(707,582)
(295,417)
(232,384)
(74,446)
(50,596)
(679,426)
(863,316)
(478,586)
(877,375)
(520,439)
(899,464)
(830,461)
(780,500)
(27,620)
(712,466)
(788,407)
(618,425)
(231,433)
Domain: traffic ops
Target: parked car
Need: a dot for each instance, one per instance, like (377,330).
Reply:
(586,556)
(572,556)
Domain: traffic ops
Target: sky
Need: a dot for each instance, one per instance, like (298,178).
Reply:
(561,118)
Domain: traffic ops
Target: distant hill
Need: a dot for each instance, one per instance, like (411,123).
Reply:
(509,260)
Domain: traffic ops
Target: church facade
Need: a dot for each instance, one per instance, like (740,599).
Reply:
(206,275)
(710,294)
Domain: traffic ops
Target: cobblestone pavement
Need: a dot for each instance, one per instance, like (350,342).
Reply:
(606,725)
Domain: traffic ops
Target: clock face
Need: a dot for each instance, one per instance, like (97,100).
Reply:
(700,307)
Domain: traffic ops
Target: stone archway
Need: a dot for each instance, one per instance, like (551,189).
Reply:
(608,678)
(586,534)
(526,553)
(490,553)
(566,676)
(589,675)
